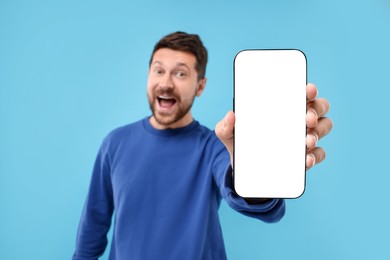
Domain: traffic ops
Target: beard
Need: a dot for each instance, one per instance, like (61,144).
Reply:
(171,117)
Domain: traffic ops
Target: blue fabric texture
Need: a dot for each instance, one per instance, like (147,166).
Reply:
(164,188)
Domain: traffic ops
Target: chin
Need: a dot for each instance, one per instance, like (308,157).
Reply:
(165,120)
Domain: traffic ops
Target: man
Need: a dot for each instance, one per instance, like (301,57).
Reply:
(164,176)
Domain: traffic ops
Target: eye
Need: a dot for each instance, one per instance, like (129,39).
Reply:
(158,71)
(181,74)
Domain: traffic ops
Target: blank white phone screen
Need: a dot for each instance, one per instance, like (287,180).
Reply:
(270,129)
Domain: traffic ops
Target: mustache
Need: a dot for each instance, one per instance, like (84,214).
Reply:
(167,92)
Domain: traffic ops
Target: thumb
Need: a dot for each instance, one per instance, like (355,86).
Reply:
(224,130)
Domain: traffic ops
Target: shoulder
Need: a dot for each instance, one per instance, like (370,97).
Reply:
(212,141)
(125,130)
(205,132)
(123,133)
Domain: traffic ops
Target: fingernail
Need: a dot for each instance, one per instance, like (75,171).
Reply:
(313,113)
(312,135)
(309,143)
(316,137)
(314,158)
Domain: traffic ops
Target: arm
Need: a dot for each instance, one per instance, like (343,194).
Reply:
(267,210)
(317,127)
(97,213)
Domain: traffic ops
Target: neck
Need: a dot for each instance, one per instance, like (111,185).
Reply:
(186,120)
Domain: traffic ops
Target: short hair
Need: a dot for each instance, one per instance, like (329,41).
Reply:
(181,41)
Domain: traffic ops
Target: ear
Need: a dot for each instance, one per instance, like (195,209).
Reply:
(200,87)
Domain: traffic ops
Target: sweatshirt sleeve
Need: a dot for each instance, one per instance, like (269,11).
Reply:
(97,213)
(271,211)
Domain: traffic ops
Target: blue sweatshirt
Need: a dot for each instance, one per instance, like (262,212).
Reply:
(164,188)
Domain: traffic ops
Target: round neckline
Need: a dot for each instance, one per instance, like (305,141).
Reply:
(168,132)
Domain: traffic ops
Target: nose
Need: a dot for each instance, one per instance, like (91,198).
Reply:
(166,82)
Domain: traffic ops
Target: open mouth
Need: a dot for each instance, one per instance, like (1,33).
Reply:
(166,102)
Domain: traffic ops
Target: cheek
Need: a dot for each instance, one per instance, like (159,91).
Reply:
(151,80)
(149,86)
(188,89)
(149,91)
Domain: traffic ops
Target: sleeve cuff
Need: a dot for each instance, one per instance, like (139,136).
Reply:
(270,211)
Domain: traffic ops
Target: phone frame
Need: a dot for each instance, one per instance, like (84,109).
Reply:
(251,198)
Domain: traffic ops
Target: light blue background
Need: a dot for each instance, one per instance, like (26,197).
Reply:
(70,71)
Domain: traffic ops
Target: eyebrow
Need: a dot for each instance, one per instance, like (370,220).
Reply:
(177,64)
(156,62)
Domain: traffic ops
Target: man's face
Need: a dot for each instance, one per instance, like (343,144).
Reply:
(172,86)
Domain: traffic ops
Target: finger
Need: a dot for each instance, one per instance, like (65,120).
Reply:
(311,92)
(320,106)
(315,156)
(311,118)
(310,161)
(311,140)
(224,130)
(323,128)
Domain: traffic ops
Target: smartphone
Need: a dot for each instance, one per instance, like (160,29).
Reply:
(269,159)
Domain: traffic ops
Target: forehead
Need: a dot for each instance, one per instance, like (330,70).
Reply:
(169,57)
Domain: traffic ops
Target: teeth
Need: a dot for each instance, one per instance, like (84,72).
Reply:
(162,97)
